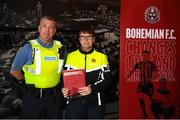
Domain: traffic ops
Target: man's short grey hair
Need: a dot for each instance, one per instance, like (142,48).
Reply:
(49,18)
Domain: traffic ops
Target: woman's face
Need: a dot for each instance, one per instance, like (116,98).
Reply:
(86,40)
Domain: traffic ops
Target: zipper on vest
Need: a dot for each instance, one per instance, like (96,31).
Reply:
(85,62)
(85,65)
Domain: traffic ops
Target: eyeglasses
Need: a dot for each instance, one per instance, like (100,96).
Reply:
(89,37)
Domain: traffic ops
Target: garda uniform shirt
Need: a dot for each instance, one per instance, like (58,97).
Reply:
(24,55)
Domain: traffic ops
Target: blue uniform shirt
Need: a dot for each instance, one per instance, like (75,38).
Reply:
(24,55)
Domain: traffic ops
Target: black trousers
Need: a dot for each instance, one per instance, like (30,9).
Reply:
(47,106)
(78,109)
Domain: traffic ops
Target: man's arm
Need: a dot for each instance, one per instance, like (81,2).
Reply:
(103,83)
(156,75)
(20,60)
(103,80)
(17,74)
(136,66)
(130,73)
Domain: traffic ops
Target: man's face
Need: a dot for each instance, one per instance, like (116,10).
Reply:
(86,41)
(47,29)
(146,56)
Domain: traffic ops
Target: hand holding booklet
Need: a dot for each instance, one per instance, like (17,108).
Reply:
(74,79)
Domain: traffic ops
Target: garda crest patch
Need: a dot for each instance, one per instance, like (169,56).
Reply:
(93,60)
(48,58)
(152,15)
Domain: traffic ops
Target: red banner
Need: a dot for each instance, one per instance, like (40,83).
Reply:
(149,69)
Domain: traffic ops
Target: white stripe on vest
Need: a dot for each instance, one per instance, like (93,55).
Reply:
(38,61)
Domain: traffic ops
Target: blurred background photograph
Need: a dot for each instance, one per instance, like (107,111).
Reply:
(19,21)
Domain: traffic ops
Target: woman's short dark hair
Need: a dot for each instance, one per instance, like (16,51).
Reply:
(87,29)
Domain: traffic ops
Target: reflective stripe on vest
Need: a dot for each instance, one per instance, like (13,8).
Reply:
(95,61)
(38,60)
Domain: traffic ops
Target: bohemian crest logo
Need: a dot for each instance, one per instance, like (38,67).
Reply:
(93,60)
(152,15)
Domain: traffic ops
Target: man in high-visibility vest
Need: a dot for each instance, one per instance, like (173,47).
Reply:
(148,72)
(41,62)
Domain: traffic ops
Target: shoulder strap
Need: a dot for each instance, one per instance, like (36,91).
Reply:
(32,43)
(63,54)
(65,57)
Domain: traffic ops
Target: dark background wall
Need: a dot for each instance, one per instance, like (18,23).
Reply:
(19,21)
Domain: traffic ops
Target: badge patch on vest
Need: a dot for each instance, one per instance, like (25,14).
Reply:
(49,58)
(93,60)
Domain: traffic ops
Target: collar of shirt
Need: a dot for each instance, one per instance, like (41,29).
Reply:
(45,45)
(84,52)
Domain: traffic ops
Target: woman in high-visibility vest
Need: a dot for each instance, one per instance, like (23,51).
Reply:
(90,102)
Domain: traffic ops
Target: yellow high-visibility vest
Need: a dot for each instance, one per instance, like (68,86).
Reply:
(93,61)
(45,70)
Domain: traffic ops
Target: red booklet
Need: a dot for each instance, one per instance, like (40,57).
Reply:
(74,79)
